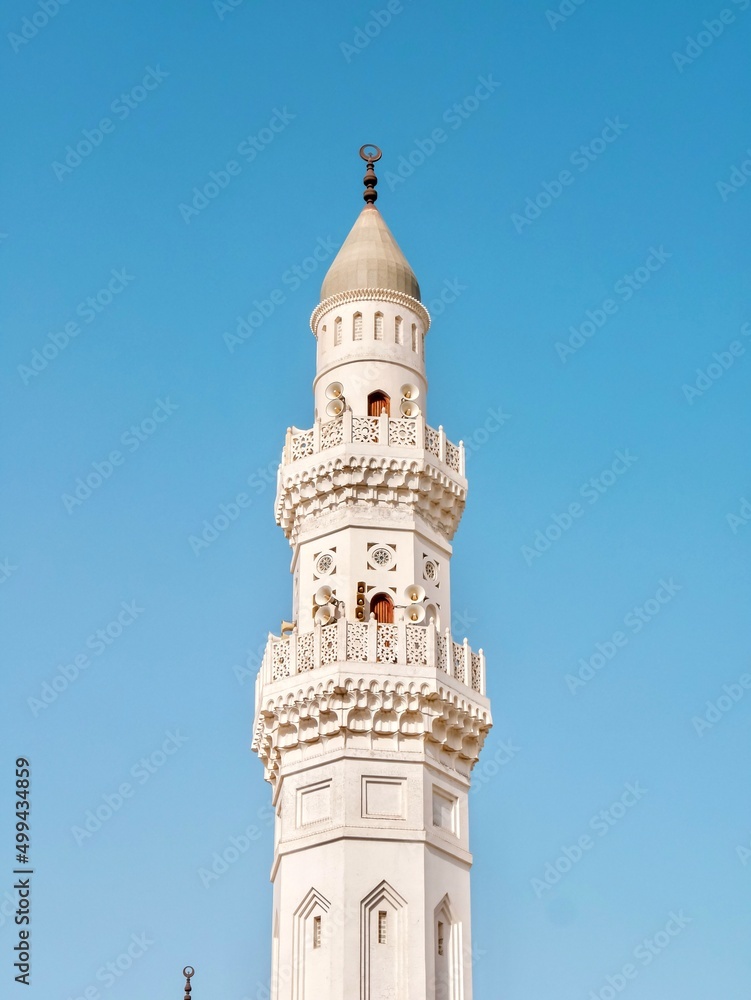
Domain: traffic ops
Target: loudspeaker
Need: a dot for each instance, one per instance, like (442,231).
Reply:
(414,593)
(286,628)
(335,408)
(324,615)
(415,613)
(409,409)
(335,390)
(409,391)
(323,596)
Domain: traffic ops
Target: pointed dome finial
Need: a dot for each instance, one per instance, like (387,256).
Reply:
(188,972)
(371,154)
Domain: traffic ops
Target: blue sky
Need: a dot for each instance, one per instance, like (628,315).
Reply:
(596,178)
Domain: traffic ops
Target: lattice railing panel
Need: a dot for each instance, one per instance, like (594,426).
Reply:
(476,672)
(357,641)
(329,643)
(441,653)
(403,432)
(432,441)
(365,430)
(302,444)
(305,652)
(386,644)
(458,660)
(332,433)
(417,644)
(453,457)
(280,659)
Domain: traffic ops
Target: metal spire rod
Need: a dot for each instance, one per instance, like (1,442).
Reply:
(188,972)
(371,154)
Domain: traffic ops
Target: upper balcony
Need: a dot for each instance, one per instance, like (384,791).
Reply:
(400,432)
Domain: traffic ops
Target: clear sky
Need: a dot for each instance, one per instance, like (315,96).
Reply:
(586,206)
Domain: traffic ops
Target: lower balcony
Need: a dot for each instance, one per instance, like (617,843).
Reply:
(346,641)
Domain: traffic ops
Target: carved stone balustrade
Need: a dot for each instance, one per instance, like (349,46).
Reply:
(401,432)
(349,642)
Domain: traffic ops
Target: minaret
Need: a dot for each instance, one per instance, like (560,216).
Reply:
(369,714)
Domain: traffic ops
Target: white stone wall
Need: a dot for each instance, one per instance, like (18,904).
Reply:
(358,839)
(351,549)
(365,365)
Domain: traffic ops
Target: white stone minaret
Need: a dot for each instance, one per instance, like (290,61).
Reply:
(369,714)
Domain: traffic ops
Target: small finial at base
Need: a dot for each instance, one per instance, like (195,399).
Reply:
(371,154)
(188,972)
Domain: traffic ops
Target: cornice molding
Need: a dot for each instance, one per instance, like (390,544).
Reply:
(357,709)
(370,481)
(369,295)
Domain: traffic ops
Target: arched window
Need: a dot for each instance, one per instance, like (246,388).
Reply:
(398,331)
(414,337)
(378,327)
(337,331)
(383,608)
(357,326)
(449,969)
(378,403)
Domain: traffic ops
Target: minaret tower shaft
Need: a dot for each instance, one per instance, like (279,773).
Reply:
(369,714)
